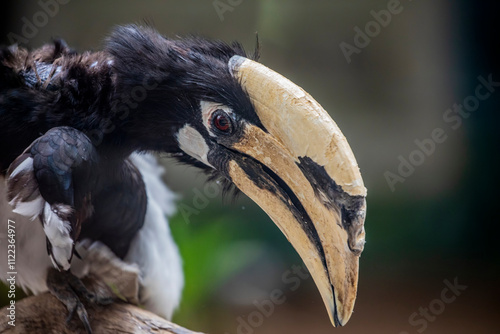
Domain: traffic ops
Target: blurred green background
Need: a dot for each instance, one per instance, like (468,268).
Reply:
(440,224)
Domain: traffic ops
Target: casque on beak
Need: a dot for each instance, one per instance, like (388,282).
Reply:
(303,174)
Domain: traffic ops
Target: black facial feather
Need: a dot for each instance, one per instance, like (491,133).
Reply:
(134,95)
(178,73)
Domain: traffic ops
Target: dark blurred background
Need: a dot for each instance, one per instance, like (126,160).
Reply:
(392,89)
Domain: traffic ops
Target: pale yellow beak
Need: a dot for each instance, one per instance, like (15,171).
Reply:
(303,174)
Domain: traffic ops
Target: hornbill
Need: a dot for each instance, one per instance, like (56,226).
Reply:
(86,193)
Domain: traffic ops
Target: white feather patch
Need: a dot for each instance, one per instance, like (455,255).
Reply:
(31,209)
(193,143)
(28,209)
(26,167)
(153,249)
(32,261)
(57,231)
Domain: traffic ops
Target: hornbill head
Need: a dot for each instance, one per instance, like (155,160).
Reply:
(215,108)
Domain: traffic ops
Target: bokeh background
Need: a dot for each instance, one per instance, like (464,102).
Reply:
(440,224)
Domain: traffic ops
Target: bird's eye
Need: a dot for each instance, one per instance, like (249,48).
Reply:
(221,121)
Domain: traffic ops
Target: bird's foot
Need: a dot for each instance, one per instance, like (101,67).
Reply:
(67,288)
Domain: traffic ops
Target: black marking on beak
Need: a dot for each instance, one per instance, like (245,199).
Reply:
(335,198)
(265,178)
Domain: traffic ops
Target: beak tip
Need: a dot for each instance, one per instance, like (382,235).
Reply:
(336,320)
(339,313)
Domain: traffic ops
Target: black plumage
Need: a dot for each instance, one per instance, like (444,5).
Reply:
(135,95)
(73,123)
(70,124)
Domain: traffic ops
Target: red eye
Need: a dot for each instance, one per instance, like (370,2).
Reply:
(221,121)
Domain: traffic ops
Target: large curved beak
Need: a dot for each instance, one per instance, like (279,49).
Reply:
(301,171)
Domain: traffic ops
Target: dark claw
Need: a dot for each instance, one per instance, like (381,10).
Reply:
(82,314)
(66,287)
(104,300)
(77,254)
(78,286)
